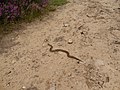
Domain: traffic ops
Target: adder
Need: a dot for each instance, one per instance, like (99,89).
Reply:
(61,50)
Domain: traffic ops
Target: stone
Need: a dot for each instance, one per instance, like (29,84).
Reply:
(70,41)
(66,25)
(23,87)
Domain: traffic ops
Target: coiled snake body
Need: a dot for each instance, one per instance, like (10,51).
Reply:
(61,50)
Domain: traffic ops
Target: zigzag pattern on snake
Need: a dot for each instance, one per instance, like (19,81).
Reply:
(61,50)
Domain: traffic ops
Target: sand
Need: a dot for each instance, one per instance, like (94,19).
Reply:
(87,29)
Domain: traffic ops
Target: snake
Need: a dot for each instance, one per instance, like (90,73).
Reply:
(64,51)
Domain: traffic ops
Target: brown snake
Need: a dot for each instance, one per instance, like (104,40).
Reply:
(61,50)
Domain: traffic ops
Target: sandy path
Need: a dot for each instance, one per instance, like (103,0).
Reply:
(93,26)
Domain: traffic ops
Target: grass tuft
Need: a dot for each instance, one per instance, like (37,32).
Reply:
(58,2)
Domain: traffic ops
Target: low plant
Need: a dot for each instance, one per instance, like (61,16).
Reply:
(13,12)
(13,9)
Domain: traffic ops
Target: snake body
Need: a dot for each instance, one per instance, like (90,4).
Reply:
(61,50)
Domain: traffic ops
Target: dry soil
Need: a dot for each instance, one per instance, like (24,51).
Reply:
(87,29)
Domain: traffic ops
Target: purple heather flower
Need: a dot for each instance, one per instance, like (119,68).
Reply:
(11,9)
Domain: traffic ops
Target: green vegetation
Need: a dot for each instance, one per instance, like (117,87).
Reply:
(30,16)
(58,2)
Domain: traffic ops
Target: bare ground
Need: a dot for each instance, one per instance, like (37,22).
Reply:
(88,29)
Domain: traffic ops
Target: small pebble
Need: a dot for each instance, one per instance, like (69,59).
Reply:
(66,25)
(70,41)
(13,61)
(23,87)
